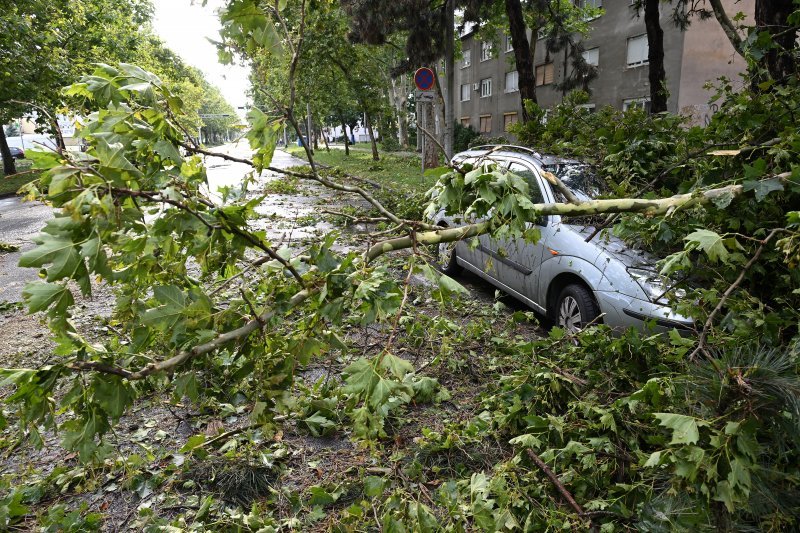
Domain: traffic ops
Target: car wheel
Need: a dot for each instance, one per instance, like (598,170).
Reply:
(446,258)
(575,308)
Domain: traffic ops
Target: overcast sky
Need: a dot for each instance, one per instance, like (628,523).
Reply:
(185,25)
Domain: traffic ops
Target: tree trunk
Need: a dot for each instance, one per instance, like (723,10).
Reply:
(9,163)
(430,156)
(346,139)
(450,101)
(523,56)
(371,133)
(324,139)
(773,16)
(655,57)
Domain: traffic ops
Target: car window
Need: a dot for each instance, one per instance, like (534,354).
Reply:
(533,183)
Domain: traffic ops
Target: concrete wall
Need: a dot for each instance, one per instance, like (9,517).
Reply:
(709,55)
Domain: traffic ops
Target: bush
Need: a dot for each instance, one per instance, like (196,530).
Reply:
(482,140)
(390,143)
(462,137)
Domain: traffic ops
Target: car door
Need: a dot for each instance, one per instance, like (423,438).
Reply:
(515,263)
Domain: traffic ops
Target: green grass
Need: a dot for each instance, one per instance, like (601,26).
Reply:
(396,171)
(11,184)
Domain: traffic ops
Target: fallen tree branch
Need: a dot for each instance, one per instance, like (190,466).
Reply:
(701,340)
(560,486)
(591,207)
(168,365)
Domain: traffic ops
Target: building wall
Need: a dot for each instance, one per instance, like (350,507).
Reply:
(709,55)
(500,101)
(690,59)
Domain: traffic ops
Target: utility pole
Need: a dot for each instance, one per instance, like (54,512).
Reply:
(449,66)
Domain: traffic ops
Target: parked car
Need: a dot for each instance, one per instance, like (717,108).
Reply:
(573,282)
(16,153)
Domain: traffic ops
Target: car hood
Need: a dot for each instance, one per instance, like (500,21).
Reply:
(618,249)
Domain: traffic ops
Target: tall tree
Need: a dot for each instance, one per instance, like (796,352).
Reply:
(655,56)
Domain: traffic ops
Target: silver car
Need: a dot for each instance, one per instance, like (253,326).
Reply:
(572,281)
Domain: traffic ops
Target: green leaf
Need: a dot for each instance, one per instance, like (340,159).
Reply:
(360,377)
(165,317)
(193,442)
(39,296)
(56,249)
(711,243)
(684,428)
(167,150)
(373,486)
(451,286)
(763,187)
(396,365)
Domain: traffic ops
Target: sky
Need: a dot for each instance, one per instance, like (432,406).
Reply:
(184,25)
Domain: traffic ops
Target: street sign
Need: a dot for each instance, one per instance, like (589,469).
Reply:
(423,79)
(424,96)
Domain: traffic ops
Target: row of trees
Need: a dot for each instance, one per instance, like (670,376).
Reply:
(46,45)
(394,38)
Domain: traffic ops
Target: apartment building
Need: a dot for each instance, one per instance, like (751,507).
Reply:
(487,81)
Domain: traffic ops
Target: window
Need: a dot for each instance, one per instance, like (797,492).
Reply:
(592,57)
(486,51)
(544,74)
(465,92)
(486,87)
(534,190)
(637,50)
(467,61)
(636,103)
(588,3)
(512,81)
(486,124)
(509,45)
(589,107)
(509,119)
(465,122)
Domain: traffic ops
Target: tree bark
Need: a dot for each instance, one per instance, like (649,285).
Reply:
(523,55)
(727,26)
(346,139)
(324,139)
(450,102)
(655,57)
(9,163)
(430,156)
(773,16)
(375,156)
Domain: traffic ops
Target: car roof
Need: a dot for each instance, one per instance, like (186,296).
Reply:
(510,150)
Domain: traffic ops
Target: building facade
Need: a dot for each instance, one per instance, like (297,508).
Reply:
(488,100)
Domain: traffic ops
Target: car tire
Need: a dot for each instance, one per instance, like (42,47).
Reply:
(575,308)
(446,258)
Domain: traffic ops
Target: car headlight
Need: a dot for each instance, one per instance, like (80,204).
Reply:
(654,286)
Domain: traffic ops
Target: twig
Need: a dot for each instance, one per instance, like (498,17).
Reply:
(229,434)
(435,140)
(701,340)
(560,486)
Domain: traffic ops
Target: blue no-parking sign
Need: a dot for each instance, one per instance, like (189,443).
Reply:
(423,79)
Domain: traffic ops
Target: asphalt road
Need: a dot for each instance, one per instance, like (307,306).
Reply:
(21,221)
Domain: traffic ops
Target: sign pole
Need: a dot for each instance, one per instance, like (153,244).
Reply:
(422,114)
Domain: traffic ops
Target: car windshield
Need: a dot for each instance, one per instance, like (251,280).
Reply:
(581,180)
(579,177)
